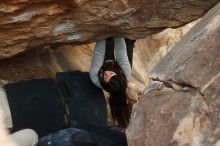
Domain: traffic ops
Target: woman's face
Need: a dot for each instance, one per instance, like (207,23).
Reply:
(107,75)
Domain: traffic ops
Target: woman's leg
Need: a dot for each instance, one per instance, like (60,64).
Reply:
(26,137)
(109,49)
(130,47)
(5,109)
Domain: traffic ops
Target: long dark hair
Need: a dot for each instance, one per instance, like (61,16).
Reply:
(117,87)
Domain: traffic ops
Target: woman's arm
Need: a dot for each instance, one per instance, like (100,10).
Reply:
(97,62)
(122,57)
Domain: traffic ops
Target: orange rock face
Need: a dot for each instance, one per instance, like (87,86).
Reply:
(32,24)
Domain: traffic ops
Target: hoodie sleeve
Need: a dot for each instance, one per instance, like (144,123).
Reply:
(122,57)
(97,62)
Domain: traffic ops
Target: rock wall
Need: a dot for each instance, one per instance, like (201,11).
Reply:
(33,24)
(150,50)
(181,104)
(45,62)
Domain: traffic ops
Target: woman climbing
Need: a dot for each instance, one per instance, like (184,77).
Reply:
(112,73)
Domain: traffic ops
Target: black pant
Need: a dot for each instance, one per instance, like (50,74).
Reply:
(109,49)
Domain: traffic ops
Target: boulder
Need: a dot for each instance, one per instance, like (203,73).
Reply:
(44,63)
(35,24)
(181,105)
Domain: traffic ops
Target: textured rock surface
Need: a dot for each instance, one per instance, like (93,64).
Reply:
(43,63)
(150,50)
(182,107)
(28,24)
(158,114)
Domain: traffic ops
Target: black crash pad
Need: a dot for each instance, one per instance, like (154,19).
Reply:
(108,135)
(86,102)
(101,136)
(36,104)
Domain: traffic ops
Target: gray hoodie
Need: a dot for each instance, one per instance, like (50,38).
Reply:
(99,55)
